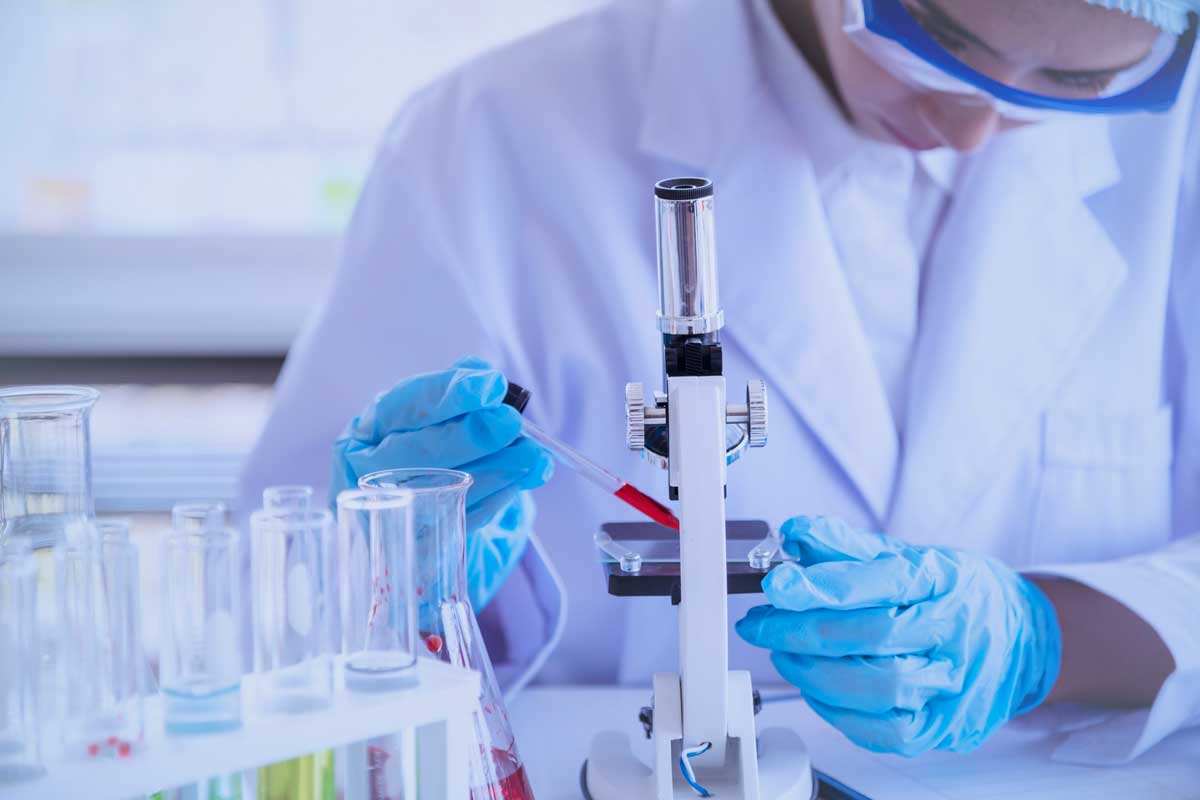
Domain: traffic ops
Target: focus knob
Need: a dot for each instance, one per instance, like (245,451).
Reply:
(756,406)
(635,416)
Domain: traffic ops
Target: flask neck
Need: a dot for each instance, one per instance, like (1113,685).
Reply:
(441,541)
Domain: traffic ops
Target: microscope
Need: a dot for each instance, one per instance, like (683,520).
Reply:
(701,723)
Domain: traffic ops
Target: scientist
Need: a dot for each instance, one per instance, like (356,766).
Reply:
(960,239)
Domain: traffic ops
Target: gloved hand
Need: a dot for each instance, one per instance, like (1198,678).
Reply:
(455,419)
(904,648)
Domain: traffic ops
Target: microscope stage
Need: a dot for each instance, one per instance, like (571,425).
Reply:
(659,548)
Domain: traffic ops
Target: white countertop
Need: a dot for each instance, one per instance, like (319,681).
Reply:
(554,726)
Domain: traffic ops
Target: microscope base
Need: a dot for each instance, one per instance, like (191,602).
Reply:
(772,766)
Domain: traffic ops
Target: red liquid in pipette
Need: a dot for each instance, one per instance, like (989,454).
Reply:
(648,506)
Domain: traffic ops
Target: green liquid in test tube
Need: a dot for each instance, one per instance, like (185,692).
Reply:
(304,778)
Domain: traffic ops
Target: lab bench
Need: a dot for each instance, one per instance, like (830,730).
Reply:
(554,726)
(439,707)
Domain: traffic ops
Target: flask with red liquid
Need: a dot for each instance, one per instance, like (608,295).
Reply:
(448,628)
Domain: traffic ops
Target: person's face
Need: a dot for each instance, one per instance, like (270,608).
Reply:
(1064,48)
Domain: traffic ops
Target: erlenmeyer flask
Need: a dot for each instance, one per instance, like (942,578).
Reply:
(446,621)
(45,462)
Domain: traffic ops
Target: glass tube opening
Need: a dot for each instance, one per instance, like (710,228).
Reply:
(417,479)
(16,400)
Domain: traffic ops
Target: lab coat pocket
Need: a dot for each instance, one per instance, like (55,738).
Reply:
(1105,488)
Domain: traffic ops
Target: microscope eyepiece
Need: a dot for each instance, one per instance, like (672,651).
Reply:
(683,188)
(688,301)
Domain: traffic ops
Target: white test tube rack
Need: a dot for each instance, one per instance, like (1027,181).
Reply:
(438,709)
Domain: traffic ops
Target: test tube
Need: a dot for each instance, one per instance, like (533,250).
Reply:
(200,659)
(309,776)
(102,646)
(292,634)
(122,701)
(20,735)
(379,611)
(77,583)
(287,498)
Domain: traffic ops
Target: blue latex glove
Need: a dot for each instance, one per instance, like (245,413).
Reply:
(455,419)
(904,648)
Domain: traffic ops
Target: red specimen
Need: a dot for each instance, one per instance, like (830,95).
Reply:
(513,787)
(648,506)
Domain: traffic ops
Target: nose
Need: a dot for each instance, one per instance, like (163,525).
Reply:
(962,123)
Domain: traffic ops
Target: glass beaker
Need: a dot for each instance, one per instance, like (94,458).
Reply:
(20,664)
(103,663)
(375,551)
(46,498)
(200,661)
(45,461)
(448,628)
(292,632)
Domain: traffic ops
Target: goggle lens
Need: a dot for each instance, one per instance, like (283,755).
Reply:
(1071,54)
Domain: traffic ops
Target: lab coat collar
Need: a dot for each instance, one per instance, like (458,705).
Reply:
(1021,276)
(790,310)
(787,302)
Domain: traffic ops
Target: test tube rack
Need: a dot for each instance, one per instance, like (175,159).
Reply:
(438,708)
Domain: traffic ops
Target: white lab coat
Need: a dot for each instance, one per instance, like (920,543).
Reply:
(1054,408)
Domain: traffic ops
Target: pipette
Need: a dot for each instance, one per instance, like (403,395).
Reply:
(518,398)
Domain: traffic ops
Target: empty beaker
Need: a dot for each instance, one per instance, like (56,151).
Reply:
(45,461)
(292,631)
(448,628)
(375,555)
(20,664)
(201,652)
(46,498)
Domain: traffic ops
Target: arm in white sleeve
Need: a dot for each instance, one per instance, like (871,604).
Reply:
(398,305)
(1162,588)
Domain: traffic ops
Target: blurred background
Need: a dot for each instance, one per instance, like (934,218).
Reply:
(174,178)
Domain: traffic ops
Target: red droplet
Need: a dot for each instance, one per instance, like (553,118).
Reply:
(123,749)
(113,740)
(93,749)
(487,709)
(434,643)
(420,591)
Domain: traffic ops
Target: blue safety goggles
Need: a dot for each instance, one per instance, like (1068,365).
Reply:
(912,40)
